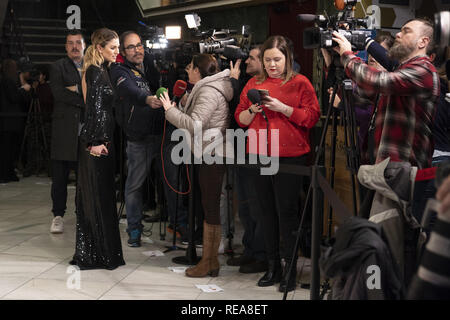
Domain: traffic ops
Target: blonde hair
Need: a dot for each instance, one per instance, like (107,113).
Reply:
(93,56)
(281,44)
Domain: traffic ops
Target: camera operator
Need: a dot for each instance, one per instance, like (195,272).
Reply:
(408,96)
(253,259)
(364,107)
(13,97)
(142,121)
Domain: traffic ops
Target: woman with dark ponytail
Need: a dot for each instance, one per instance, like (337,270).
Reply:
(98,243)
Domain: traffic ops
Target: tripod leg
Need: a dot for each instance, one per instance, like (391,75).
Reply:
(332,155)
(25,134)
(229,204)
(350,145)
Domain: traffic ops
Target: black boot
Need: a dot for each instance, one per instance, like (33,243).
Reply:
(291,283)
(273,274)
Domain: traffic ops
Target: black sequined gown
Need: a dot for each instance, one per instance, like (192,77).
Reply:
(98,243)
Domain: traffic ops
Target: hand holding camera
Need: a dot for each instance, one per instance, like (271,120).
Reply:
(343,44)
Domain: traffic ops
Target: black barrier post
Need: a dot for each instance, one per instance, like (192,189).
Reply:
(316,236)
(191,257)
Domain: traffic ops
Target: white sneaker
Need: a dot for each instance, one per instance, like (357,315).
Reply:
(57,225)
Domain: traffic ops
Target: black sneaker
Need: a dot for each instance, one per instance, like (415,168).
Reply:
(134,239)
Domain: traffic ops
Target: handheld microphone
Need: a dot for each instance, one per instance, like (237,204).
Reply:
(160,92)
(179,88)
(255,98)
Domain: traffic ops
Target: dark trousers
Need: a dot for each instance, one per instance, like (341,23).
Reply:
(10,142)
(60,178)
(249,212)
(279,197)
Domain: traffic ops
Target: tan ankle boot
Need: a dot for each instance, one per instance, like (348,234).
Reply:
(209,264)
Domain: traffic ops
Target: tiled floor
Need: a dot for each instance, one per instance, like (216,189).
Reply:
(34,263)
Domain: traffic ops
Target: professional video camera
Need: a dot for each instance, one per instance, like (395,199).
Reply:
(226,43)
(343,22)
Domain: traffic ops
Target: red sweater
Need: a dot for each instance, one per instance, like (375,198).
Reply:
(293,131)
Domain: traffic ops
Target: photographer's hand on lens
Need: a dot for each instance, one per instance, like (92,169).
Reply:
(153,102)
(165,100)
(343,44)
(235,69)
(443,195)
(26,87)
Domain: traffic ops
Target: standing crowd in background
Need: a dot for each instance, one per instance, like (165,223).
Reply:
(109,87)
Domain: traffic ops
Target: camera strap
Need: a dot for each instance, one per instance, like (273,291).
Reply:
(371,132)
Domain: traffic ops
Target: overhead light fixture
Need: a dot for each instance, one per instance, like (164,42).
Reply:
(173,32)
(192,20)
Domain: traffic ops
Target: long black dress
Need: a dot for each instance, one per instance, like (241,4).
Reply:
(98,243)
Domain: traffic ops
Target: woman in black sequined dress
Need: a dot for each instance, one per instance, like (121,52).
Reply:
(98,244)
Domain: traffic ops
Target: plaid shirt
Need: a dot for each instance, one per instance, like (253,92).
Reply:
(406,108)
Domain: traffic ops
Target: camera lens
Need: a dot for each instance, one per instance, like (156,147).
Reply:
(442,28)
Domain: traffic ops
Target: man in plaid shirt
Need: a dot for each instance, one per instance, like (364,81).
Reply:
(408,96)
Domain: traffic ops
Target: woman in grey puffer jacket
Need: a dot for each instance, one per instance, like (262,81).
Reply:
(206,108)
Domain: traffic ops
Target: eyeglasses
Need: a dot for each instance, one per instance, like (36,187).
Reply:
(135,47)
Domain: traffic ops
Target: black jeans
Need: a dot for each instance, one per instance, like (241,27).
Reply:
(279,199)
(60,179)
(249,212)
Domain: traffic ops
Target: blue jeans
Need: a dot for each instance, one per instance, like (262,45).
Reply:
(140,156)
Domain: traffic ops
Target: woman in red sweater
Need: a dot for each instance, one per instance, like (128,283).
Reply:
(291,109)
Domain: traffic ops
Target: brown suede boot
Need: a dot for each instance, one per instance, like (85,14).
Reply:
(209,264)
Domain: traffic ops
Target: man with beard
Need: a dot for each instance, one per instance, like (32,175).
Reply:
(404,118)
(408,95)
(142,123)
(65,83)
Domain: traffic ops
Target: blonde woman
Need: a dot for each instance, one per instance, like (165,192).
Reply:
(98,243)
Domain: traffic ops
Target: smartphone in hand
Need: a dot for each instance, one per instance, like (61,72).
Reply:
(263,93)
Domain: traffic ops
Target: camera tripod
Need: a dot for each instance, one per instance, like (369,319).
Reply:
(34,137)
(347,117)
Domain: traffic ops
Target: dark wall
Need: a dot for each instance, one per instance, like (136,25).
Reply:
(282,21)
(91,10)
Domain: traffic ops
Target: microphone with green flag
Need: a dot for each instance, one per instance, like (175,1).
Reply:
(160,92)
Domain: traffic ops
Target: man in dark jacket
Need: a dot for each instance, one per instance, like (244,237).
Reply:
(141,117)
(253,259)
(65,82)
